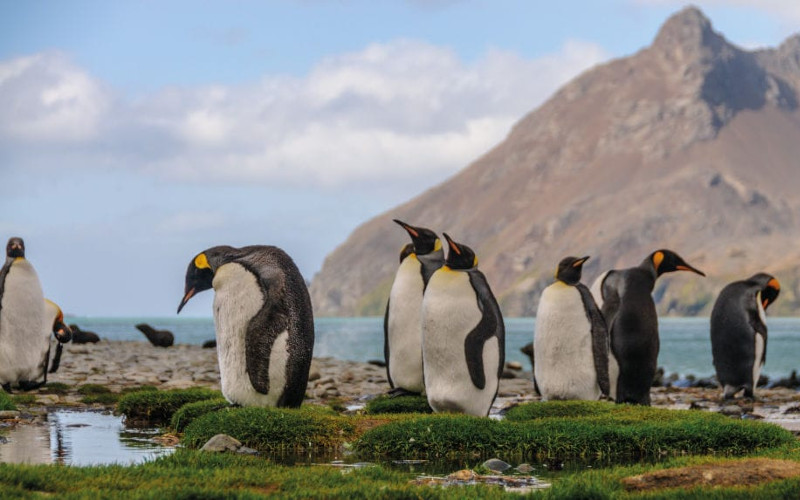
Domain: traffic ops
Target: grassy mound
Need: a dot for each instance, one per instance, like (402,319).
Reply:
(5,402)
(273,430)
(595,430)
(190,411)
(399,404)
(157,407)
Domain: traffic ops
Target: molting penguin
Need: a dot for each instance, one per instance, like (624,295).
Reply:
(263,320)
(739,332)
(571,342)
(22,310)
(402,324)
(463,336)
(625,299)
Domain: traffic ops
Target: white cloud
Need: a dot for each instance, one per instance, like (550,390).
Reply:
(390,111)
(46,97)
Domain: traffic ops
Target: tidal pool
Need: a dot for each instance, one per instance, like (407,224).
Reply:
(79,438)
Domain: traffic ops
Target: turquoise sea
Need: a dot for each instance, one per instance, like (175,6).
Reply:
(685,343)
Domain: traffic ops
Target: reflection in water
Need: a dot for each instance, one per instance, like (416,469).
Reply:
(80,438)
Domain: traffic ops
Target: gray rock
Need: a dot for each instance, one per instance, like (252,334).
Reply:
(525,468)
(496,465)
(221,442)
(514,365)
(244,450)
(731,410)
(9,414)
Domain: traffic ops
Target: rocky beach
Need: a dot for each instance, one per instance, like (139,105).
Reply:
(120,365)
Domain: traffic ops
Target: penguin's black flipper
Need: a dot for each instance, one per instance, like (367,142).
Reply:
(600,338)
(490,325)
(3,274)
(259,341)
(57,358)
(757,324)
(386,344)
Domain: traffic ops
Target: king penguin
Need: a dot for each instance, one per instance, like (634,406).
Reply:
(22,312)
(463,336)
(53,325)
(263,321)
(402,324)
(739,332)
(625,299)
(571,342)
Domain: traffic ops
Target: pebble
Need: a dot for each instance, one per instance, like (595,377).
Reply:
(222,442)
(9,414)
(496,465)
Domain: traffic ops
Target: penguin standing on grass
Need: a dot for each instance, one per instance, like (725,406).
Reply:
(739,332)
(571,342)
(463,336)
(263,320)
(402,324)
(625,299)
(22,310)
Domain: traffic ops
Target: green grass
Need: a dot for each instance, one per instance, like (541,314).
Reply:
(55,388)
(24,399)
(6,403)
(571,431)
(399,404)
(274,430)
(191,411)
(93,389)
(157,407)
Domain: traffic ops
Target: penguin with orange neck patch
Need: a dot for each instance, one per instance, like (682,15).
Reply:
(463,336)
(626,301)
(402,327)
(739,332)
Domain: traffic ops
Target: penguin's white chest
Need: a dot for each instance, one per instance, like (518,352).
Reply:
(404,326)
(450,311)
(237,299)
(563,360)
(23,345)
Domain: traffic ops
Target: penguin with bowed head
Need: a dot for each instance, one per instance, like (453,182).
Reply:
(402,324)
(463,336)
(571,341)
(23,345)
(53,325)
(625,299)
(263,320)
(739,332)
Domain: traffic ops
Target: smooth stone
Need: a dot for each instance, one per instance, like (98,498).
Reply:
(731,411)
(9,414)
(244,450)
(222,442)
(496,465)
(514,365)
(525,468)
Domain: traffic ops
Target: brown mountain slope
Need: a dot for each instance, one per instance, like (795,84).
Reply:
(691,144)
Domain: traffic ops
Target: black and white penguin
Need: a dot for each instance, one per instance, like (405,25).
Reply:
(571,341)
(625,299)
(739,332)
(402,324)
(22,311)
(53,325)
(463,336)
(263,320)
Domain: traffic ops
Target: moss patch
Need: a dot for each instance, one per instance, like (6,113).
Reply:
(5,402)
(157,407)
(190,411)
(399,404)
(274,430)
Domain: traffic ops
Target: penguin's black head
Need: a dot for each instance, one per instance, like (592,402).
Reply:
(569,269)
(460,256)
(667,261)
(62,332)
(770,288)
(425,240)
(199,277)
(15,247)
(407,250)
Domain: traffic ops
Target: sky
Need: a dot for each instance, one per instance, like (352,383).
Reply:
(134,135)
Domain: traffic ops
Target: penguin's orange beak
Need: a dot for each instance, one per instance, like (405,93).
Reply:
(687,267)
(186,298)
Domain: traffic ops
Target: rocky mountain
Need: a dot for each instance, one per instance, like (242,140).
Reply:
(691,144)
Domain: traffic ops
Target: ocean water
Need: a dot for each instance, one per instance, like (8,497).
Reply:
(685,342)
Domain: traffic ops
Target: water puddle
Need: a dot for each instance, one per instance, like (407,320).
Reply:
(79,438)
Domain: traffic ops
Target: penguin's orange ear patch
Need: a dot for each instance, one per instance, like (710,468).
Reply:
(658,258)
(773,283)
(475,262)
(437,245)
(201,262)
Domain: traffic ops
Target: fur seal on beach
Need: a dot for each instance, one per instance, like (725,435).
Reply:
(80,336)
(739,332)
(402,327)
(159,338)
(263,320)
(571,342)
(626,301)
(463,336)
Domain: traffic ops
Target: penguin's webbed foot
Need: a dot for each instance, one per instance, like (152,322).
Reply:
(399,391)
(26,385)
(7,387)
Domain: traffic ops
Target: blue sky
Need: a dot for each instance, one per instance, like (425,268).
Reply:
(135,134)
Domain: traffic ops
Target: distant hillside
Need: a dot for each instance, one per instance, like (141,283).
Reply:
(691,144)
